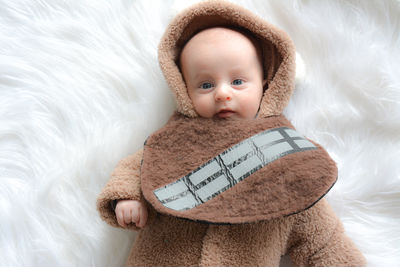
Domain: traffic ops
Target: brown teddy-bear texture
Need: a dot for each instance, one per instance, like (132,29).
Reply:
(312,237)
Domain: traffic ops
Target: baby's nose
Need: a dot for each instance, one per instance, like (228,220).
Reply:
(223,93)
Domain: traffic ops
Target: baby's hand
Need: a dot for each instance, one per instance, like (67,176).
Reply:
(131,211)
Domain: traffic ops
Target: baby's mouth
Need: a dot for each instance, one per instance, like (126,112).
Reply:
(225,113)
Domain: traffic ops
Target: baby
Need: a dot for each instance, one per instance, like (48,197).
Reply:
(223,73)
(227,181)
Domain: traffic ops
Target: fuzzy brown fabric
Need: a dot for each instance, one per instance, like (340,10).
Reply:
(285,186)
(314,237)
(278,52)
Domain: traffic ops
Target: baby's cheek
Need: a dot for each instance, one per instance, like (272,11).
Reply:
(203,106)
(250,107)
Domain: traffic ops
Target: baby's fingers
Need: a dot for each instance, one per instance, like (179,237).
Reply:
(129,216)
(120,218)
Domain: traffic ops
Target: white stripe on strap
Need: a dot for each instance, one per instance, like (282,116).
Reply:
(230,167)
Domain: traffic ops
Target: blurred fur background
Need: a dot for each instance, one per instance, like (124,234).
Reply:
(80,88)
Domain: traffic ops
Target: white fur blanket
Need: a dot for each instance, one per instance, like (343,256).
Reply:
(80,88)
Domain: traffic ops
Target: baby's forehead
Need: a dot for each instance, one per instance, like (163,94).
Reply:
(220,42)
(222,36)
(218,34)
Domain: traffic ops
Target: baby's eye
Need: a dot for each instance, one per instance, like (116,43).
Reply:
(206,85)
(237,82)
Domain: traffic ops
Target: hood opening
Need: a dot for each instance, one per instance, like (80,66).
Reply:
(277,49)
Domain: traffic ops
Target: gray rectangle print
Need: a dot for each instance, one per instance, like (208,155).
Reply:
(230,167)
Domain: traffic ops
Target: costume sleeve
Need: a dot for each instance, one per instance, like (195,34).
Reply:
(123,184)
(318,239)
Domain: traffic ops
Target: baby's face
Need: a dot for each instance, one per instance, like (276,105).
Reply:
(223,74)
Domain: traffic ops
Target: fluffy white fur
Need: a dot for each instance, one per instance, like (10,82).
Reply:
(80,88)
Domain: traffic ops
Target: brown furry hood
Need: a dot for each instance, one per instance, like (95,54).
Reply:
(277,50)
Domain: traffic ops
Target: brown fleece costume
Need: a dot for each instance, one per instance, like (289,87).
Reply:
(286,214)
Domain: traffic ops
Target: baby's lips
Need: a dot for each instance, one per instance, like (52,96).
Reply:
(225,113)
